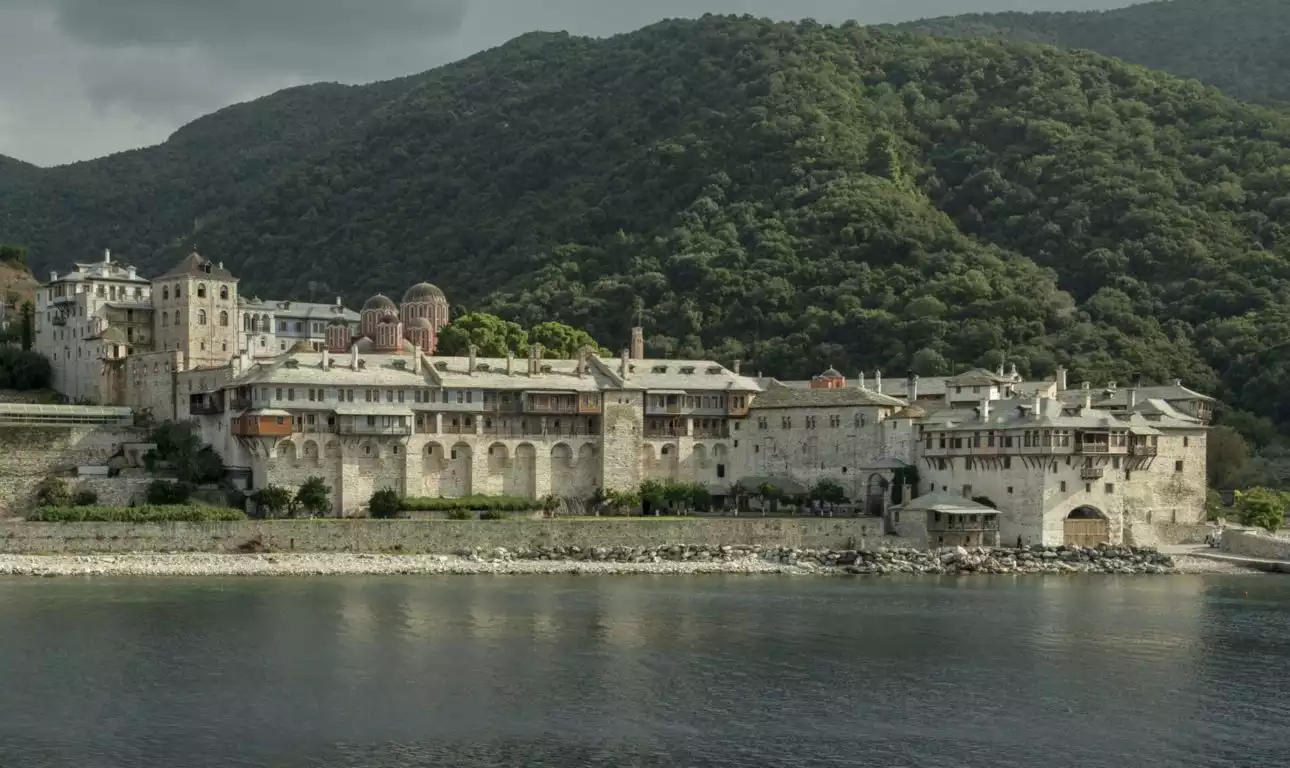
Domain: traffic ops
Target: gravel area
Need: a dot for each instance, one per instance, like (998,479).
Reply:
(357,564)
(1189,564)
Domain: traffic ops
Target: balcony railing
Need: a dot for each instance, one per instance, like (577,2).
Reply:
(374,429)
(1093,447)
(560,408)
(664,432)
(520,432)
(1091,473)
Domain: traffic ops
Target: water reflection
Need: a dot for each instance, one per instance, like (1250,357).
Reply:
(709,671)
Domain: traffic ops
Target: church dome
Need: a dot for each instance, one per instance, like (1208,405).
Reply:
(422,292)
(379,301)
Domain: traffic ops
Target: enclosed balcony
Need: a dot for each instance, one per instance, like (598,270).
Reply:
(208,404)
(551,402)
(373,420)
(268,422)
(1091,473)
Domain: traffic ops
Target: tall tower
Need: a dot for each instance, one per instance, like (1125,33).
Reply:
(638,343)
(195,311)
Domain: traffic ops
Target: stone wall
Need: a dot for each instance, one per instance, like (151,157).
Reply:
(441,537)
(28,454)
(1255,544)
(804,444)
(150,382)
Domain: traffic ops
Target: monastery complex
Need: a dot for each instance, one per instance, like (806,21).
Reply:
(286,390)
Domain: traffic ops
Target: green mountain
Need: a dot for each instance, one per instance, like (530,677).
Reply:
(791,195)
(1241,46)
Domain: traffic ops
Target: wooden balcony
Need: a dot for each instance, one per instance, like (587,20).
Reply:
(360,426)
(1091,473)
(262,425)
(1145,451)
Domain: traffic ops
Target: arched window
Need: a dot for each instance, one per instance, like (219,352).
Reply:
(223,292)
(201,317)
(201,290)
(165,293)
(178,321)
(223,318)
(178,291)
(165,319)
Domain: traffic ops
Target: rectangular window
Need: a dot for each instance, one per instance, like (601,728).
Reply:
(278,394)
(400,395)
(445,395)
(1110,487)
(721,470)
(371,421)
(291,394)
(1178,466)
(469,395)
(389,395)
(1010,490)
(1063,486)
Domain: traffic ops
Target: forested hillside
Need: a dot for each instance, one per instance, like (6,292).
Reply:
(792,195)
(1241,46)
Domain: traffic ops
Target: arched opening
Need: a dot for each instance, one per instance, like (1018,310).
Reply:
(521,480)
(223,318)
(311,449)
(201,290)
(876,495)
(287,450)
(498,457)
(201,317)
(223,292)
(1086,527)
(165,293)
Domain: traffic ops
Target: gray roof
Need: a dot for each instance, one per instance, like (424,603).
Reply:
(422,292)
(1119,397)
(946,504)
(1015,413)
(779,396)
(194,265)
(299,310)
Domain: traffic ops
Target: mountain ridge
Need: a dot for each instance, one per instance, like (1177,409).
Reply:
(793,195)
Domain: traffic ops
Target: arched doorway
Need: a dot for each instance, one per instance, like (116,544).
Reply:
(1086,527)
(876,496)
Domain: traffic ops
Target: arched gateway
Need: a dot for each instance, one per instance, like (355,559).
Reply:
(1086,527)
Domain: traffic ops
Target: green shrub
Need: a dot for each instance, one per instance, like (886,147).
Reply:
(493,515)
(177,513)
(85,498)
(471,504)
(163,493)
(53,492)
(460,514)
(385,504)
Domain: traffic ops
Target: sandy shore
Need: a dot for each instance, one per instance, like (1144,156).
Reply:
(371,564)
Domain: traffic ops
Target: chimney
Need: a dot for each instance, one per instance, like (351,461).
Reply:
(1177,382)
(735,367)
(416,359)
(1087,391)
(861,381)
(53,277)
(1061,378)
(911,388)
(623,365)
(510,363)
(1012,372)
(221,265)
(470,365)
(107,256)
(581,363)
(877,381)
(1036,408)
(1131,397)
(638,343)
(985,410)
(353,357)
(338,302)
(326,358)
(533,364)
(1000,370)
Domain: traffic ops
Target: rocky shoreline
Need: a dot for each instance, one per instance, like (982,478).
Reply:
(620,560)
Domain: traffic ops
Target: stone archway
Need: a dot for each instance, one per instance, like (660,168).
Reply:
(1086,526)
(876,496)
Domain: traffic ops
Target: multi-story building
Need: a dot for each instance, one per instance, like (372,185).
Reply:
(292,390)
(99,312)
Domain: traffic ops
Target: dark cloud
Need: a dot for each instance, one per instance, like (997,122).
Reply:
(85,77)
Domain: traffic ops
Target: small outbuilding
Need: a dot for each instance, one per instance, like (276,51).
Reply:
(954,521)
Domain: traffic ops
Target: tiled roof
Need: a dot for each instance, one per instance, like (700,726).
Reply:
(298,310)
(946,503)
(778,396)
(1119,397)
(674,375)
(194,265)
(1016,413)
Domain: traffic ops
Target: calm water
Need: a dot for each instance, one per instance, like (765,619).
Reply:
(673,671)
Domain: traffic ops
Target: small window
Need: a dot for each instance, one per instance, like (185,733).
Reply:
(1063,486)
(1186,441)
(1010,490)
(223,292)
(201,290)
(1110,487)
(721,470)
(165,293)
(1178,465)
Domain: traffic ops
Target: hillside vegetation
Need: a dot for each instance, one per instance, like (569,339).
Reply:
(1241,46)
(791,195)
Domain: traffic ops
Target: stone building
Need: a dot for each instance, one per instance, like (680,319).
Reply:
(286,391)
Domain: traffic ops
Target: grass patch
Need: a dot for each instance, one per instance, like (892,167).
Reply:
(178,513)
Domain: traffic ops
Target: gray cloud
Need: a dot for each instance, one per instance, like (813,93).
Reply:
(86,77)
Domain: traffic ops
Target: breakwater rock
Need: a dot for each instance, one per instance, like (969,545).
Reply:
(876,562)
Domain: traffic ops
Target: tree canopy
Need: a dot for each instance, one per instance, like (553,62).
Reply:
(792,195)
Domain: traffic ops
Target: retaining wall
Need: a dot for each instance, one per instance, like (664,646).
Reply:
(437,537)
(1255,544)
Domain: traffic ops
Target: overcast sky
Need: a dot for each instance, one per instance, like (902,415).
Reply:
(84,78)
